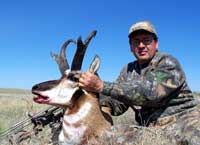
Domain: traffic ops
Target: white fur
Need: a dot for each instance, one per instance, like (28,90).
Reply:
(75,134)
(60,95)
(61,136)
(74,118)
(67,72)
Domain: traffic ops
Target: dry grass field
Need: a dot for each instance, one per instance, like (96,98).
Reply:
(15,104)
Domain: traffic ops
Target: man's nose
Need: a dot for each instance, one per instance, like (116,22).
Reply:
(141,45)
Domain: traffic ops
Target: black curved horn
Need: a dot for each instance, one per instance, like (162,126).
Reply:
(61,58)
(80,51)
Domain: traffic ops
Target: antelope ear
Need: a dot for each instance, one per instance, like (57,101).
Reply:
(94,66)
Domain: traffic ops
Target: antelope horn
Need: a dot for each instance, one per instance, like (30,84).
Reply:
(92,34)
(80,51)
(61,58)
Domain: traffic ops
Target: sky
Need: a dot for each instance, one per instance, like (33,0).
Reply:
(31,29)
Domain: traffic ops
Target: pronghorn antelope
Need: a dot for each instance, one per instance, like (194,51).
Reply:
(83,119)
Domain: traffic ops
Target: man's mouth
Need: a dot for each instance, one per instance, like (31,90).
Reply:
(39,98)
(142,53)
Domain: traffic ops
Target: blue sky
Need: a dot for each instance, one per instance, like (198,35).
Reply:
(30,29)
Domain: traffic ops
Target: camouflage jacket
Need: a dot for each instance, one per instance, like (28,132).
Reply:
(159,88)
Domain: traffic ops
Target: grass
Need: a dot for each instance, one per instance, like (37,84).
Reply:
(15,104)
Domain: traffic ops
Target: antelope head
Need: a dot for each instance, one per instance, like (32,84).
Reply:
(64,91)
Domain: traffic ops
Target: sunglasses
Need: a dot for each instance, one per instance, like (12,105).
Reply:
(145,41)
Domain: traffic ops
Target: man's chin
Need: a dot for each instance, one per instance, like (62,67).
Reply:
(143,60)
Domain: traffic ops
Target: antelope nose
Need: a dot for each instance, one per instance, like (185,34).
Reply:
(35,87)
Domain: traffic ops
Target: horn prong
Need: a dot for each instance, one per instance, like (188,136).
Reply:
(80,51)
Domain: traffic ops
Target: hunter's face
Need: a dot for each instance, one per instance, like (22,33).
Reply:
(144,46)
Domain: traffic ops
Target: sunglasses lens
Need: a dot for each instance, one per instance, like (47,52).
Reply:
(145,41)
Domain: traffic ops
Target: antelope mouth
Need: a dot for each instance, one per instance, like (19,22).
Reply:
(40,98)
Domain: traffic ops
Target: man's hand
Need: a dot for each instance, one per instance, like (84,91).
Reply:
(91,82)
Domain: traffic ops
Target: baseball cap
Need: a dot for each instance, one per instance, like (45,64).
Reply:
(143,25)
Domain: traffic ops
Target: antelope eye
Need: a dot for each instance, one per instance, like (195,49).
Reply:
(73,78)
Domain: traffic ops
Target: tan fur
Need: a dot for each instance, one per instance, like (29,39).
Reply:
(94,121)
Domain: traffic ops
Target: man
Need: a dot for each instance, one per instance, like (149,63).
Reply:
(156,83)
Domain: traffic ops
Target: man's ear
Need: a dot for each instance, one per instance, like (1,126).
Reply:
(156,44)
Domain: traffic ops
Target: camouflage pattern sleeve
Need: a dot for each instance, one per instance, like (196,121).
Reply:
(117,107)
(150,85)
